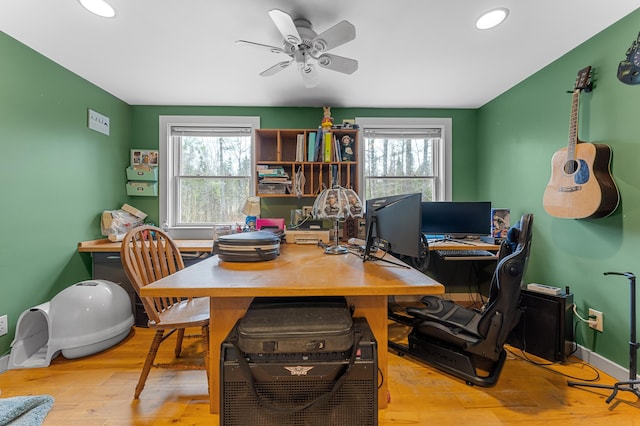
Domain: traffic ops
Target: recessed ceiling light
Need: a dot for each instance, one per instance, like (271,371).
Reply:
(492,18)
(99,7)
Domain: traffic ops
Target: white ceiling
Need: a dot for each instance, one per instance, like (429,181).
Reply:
(411,53)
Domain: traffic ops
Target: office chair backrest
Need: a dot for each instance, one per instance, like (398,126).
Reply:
(505,288)
(148,254)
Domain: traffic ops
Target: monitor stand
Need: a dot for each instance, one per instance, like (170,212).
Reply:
(380,259)
(366,256)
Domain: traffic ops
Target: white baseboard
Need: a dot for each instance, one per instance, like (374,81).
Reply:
(4,363)
(601,363)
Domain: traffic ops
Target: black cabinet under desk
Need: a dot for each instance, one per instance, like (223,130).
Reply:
(546,326)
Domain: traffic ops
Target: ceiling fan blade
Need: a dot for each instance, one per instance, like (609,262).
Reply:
(338,63)
(275,69)
(309,74)
(335,36)
(273,49)
(285,25)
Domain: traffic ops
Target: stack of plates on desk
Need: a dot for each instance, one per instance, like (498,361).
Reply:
(247,246)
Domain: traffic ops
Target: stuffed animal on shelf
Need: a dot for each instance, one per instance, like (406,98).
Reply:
(327,121)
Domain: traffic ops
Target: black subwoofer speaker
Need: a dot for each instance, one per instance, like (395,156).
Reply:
(286,382)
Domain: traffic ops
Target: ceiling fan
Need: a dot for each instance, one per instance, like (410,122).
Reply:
(307,49)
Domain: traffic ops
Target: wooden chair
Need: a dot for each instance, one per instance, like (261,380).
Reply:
(149,254)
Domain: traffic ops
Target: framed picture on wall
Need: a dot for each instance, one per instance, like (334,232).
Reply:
(144,157)
(501,221)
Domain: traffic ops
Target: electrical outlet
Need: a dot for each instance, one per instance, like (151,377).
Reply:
(306,211)
(4,326)
(596,317)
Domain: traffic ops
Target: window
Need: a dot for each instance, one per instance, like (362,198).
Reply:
(206,172)
(405,155)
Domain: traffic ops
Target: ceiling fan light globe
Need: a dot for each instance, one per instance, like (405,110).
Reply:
(309,75)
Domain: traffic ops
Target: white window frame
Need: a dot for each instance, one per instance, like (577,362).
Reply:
(443,187)
(167,163)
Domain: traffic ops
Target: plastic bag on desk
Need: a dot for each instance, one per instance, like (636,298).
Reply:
(116,223)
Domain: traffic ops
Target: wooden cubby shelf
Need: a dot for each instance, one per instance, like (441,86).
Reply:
(278,149)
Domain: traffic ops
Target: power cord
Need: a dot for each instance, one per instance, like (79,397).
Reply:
(588,321)
(547,365)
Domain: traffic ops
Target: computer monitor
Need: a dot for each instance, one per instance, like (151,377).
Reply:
(456,219)
(394,221)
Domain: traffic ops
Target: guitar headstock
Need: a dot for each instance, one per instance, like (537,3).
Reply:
(584,80)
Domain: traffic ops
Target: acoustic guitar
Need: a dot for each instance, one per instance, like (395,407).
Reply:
(581,185)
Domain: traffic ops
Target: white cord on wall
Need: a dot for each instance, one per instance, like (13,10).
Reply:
(588,321)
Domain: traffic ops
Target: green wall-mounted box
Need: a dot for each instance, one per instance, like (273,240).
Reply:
(144,189)
(142,174)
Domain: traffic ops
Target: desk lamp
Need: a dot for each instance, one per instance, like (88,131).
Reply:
(337,204)
(251,208)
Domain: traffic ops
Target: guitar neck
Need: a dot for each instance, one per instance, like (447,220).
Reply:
(573,126)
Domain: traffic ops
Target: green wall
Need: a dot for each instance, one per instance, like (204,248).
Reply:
(56,176)
(519,132)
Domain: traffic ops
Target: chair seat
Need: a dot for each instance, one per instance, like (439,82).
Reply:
(445,311)
(188,313)
(456,336)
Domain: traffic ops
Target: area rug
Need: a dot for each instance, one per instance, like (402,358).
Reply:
(25,410)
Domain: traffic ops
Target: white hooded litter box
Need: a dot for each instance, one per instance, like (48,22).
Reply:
(83,319)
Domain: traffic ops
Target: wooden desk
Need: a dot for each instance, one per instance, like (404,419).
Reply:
(300,270)
(106,246)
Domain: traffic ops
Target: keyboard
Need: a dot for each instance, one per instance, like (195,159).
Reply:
(467,254)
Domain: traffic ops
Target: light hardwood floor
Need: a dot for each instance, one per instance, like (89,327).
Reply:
(98,389)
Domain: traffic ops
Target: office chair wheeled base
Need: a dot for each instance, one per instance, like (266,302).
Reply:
(453,360)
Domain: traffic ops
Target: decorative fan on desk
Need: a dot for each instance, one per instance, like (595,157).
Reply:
(307,49)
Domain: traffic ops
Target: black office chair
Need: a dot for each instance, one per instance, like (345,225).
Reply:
(469,343)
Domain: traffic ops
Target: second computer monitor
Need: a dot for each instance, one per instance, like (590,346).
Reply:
(456,219)
(395,220)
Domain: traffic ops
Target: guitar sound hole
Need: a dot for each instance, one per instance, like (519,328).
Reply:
(570,167)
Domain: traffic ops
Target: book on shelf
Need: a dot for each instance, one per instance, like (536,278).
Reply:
(311,146)
(336,149)
(274,180)
(328,147)
(300,147)
(319,149)
(271,171)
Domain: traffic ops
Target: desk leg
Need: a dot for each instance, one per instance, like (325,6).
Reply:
(224,313)
(374,309)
